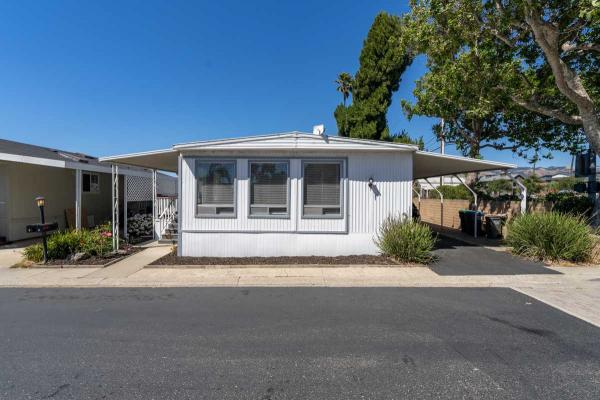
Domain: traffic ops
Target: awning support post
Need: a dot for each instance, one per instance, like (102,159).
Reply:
(78,196)
(475,197)
(115,206)
(154,209)
(125,233)
(441,203)
(523,192)
(418,196)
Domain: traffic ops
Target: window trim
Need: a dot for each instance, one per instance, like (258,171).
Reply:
(90,174)
(235,187)
(342,164)
(287,215)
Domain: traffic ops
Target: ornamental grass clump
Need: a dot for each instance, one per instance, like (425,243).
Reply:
(406,240)
(551,236)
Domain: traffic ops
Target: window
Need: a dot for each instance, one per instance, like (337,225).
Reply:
(90,182)
(215,188)
(269,188)
(322,189)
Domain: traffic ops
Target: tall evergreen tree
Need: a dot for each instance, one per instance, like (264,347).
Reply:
(382,62)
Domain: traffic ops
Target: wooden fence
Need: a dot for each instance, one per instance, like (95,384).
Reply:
(432,212)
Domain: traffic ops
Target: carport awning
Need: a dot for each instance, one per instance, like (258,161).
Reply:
(427,165)
(164,160)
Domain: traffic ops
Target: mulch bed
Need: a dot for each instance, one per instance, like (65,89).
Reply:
(95,261)
(172,259)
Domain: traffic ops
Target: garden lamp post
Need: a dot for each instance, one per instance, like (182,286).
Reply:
(41,202)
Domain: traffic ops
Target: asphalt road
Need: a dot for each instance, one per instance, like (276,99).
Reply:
(292,343)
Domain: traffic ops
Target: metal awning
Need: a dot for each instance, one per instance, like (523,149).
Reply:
(164,160)
(427,165)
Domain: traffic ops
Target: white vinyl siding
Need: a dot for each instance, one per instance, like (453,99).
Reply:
(322,194)
(363,209)
(215,193)
(269,188)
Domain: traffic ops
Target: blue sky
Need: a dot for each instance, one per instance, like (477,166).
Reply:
(111,77)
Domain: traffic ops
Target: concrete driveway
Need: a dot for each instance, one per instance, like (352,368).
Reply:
(291,343)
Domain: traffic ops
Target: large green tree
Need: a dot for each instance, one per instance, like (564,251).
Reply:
(382,62)
(522,73)
(459,88)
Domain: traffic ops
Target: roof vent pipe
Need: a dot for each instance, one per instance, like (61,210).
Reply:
(319,130)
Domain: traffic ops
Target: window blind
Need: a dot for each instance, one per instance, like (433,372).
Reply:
(322,188)
(268,188)
(215,194)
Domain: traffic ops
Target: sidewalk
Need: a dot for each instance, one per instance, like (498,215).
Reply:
(576,290)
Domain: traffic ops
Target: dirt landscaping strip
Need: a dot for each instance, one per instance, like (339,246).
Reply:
(90,262)
(173,260)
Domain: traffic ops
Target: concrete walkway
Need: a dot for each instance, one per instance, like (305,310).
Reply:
(132,264)
(575,290)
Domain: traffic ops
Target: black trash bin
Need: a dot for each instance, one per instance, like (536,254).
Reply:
(467,221)
(493,226)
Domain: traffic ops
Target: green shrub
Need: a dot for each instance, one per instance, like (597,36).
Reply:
(551,236)
(571,203)
(406,240)
(452,193)
(62,244)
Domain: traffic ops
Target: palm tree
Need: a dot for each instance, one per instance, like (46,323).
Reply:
(344,82)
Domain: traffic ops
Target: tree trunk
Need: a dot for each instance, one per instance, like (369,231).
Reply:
(591,126)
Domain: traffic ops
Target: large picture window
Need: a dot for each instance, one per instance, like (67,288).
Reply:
(269,188)
(322,194)
(215,188)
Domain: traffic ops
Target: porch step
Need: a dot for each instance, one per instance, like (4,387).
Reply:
(169,239)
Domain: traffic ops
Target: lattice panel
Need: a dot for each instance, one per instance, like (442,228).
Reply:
(139,188)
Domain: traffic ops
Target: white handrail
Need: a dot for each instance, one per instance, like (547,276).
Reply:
(166,211)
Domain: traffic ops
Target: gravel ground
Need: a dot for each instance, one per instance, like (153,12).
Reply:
(172,259)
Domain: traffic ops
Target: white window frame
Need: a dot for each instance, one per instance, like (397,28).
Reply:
(342,206)
(235,184)
(288,190)
(94,188)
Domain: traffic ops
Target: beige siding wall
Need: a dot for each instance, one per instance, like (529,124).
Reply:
(26,182)
(57,185)
(97,206)
(3,199)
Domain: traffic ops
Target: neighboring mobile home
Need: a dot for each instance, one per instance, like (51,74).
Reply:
(293,193)
(77,188)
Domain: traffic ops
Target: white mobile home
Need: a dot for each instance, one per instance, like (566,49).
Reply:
(292,193)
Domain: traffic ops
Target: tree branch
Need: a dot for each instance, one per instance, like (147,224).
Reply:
(570,46)
(533,105)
